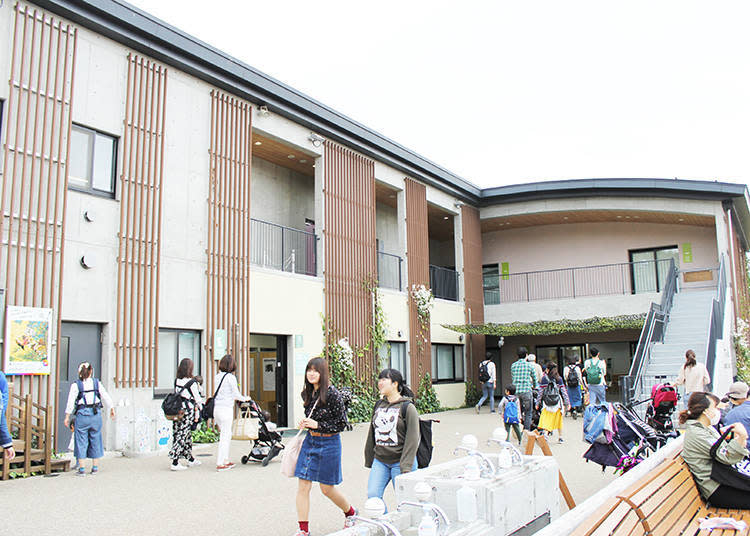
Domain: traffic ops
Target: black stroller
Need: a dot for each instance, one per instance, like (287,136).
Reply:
(633,430)
(268,443)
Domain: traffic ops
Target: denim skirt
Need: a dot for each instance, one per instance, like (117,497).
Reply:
(320,460)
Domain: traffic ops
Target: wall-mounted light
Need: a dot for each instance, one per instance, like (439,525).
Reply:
(263,110)
(89,215)
(400,334)
(500,342)
(88,261)
(460,338)
(316,140)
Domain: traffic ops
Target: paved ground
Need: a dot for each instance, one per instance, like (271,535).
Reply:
(141,496)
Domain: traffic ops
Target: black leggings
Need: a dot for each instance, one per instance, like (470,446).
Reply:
(726,497)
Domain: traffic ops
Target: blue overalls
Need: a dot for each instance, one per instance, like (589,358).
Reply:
(88,427)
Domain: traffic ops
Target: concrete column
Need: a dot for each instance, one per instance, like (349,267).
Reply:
(458,247)
(401,223)
(319,215)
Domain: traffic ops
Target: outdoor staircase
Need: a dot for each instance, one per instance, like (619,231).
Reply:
(688,328)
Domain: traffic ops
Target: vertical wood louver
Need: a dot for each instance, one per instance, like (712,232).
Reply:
(139,252)
(418,261)
(471,233)
(228,270)
(349,207)
(36,129)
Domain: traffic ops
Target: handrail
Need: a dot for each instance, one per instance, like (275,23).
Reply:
(444,282)
(283,248)
(716,321)
(588,266)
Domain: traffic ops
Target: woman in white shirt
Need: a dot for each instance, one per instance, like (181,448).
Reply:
(182,429)
(693,375)
(227,392)
(85,400)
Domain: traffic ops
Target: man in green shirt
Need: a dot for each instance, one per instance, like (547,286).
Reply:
(523,377)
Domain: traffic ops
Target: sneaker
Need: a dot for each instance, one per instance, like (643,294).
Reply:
(177,467)
(348,521)
(225,467)
(94,469)
(193,463)
(477,408)
(81,471)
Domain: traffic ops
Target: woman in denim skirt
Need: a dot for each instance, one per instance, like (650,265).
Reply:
(320,456)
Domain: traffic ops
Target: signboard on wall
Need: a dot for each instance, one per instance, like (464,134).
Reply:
(27,348)
(269,373)
(220,343)
(687,252)
(505,270)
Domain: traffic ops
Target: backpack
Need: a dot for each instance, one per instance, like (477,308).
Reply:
(424,451)
(174,404)
(510,413)
(551,394)
(572,379)
(484,374)
(593,372)
(594,421)
(81,392)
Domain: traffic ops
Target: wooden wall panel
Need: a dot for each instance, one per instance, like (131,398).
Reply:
(228,273)
(349,197)
(36,131)
(418,270)
(471,232)
(136,344)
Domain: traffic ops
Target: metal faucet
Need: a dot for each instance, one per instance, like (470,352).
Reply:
(515,454)
(490,467)
(437,512)
(385,526)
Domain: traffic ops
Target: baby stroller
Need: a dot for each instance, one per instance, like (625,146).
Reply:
(632,430)
(663,404)
(267,445)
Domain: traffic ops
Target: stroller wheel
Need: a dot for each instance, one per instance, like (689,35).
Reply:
(243,460)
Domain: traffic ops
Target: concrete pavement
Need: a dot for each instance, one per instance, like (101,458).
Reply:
(142,496)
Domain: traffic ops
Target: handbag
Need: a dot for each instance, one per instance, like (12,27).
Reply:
(245,427)
(291,450)
(735,476)
(208,408)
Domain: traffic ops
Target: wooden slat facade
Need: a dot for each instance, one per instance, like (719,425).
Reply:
(228,272)
(350,248)
(141,179)
(471,231)
(36,129)
(418,271)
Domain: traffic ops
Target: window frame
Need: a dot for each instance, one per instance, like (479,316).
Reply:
(435,364)
(486,288)
(402,344)
(113,181)
(162,393)
(653,250)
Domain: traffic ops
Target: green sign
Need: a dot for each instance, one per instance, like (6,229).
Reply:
(505,270)
(220,343)
(298,341)
(687,252)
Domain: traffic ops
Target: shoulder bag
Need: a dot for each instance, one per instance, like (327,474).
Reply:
(735,476)
(291,450)
(208,408)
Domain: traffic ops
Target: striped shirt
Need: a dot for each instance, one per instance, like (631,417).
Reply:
(523,376)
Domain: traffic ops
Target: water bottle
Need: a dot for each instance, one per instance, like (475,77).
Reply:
(466,499)
(427,527)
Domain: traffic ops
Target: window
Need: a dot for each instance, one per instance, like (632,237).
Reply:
(491,284)
(447,363)
(393,355)
(650,267)
(93,161)
(174,346)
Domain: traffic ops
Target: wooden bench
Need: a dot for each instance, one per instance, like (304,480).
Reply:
(665,503)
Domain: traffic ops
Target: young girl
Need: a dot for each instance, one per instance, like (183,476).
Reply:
(552,413)
(320,456)
(393,440)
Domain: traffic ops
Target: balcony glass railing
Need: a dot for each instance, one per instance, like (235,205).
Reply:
(444,283)
(282,248)
(389,270)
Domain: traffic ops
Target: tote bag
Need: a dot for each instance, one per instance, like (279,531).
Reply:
(735,476)
(245,427)
(291,450)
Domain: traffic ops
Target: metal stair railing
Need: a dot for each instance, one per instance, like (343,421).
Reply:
(653,331)
(716,322)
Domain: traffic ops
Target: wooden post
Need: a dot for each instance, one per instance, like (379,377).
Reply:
(47,439)
(27,435)
(532,439)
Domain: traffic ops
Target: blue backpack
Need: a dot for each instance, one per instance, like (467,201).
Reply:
(510,413)
(594,419)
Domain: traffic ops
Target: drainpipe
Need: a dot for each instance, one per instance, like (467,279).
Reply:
(734,266)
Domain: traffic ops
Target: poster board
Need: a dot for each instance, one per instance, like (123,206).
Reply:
(28,337)
(269,373)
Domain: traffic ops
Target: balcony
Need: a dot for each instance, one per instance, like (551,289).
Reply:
(389,271)
(444,283)
(282,248)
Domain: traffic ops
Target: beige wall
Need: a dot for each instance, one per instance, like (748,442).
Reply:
(451,395)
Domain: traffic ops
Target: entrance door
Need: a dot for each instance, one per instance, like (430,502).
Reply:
(281,377)
(78,343)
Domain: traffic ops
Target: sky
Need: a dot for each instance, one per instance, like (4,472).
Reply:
(502,92)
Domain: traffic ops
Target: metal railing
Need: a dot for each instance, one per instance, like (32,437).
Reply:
(282,248)
(716,322)
(599,280)
(653,331)
(389,270)
(444,283)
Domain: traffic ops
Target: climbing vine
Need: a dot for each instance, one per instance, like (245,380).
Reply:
(424,300)
(742,350)
(427,400)
(552,327)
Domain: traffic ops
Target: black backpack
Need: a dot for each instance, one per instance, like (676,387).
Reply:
(551,394)
(484,374)
(424,451)
(572,379)
(175,404)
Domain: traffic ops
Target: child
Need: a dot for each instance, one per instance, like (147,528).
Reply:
(510,409)
(199,380)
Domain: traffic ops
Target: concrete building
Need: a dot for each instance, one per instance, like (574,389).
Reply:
(165,201)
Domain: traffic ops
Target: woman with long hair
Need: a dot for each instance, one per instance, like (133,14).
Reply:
(700,419)
(182,428)
(320,456)
(227,392)
(393,439)
(693,375)
(550,398)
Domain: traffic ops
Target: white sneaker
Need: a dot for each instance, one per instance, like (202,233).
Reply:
(178,467)
(193,463)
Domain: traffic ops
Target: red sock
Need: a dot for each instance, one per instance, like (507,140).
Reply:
(350,512)
(303,525)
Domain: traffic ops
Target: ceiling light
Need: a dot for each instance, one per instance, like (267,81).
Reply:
(627,217)
(290,156)
(636,217)
(303,161)
(445,217)
(565,217)
(258,143)
(681,219)
(618,217)
(392,196)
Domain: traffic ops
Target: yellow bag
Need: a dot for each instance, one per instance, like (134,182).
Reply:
(244,426)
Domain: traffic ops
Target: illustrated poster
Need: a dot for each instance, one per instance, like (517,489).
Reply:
(28,332)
